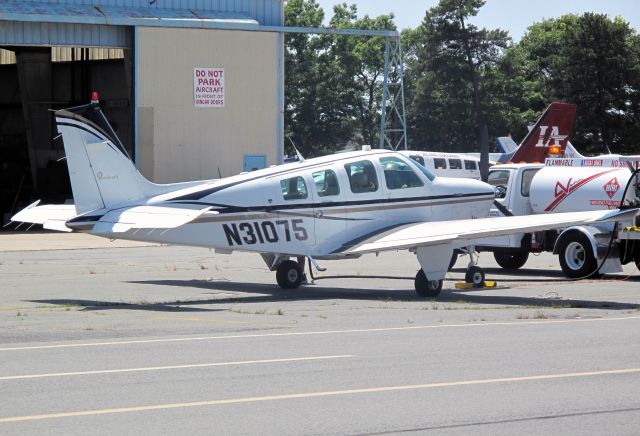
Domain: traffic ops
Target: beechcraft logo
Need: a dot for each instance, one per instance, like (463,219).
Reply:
(101,176)
(611,187)
(554,137)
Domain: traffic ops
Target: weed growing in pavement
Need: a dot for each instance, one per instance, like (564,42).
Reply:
(540,315)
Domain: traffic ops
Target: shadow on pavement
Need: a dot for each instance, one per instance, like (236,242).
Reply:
(267,293)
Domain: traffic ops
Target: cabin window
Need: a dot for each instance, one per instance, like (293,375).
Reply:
(455,164)
(399,175)
(294,188)
(418,159)
(439,163)
(326,183)
(470,165)
(362,176)
(527,177)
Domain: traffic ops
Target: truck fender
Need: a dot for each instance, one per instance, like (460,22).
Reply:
(588,231)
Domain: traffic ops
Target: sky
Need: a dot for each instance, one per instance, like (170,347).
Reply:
(512,15)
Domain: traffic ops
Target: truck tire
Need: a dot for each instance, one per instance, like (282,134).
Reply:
(577,258)
(512,260)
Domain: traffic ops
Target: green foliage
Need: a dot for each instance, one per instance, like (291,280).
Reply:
(593,61)
(459,77)
(333,83)
(455,78)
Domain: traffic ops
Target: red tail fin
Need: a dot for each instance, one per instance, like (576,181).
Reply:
(552,129)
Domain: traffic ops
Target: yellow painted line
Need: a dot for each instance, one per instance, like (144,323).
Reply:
(303,395)
(160,368)
(319,333)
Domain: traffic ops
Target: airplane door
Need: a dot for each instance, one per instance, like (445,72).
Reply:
(330,223)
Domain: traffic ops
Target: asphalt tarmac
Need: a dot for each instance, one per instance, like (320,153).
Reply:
(177,340)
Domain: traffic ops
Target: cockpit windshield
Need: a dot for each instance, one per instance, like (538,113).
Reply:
(422,169)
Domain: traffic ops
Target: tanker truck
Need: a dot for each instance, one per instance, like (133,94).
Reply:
(568,185)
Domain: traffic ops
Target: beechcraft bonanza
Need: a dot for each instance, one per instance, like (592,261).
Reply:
(333,207)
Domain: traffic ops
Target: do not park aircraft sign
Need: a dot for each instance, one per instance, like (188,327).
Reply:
(208,87)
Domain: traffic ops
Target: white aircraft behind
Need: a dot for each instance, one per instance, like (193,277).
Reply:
(547,138)
(333,207)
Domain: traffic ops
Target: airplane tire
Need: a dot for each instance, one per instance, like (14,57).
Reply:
(511,260)
(289,274)
(425,287)
(576,256)
(475,276)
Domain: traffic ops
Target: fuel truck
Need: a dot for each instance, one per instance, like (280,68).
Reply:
(568,185)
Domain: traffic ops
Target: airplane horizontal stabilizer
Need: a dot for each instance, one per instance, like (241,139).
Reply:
(146,217)
(50,216)
(461,233)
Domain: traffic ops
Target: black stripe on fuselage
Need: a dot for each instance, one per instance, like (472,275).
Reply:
(199,195)
(223,208)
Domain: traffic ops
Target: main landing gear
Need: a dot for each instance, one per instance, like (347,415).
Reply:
(425,287)
(289,274)
(429,288)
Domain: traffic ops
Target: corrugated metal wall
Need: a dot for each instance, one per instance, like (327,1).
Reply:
(63,34)
(7,57)
(67,54)
(266,12)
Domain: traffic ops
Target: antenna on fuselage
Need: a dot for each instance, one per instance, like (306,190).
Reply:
(300,157)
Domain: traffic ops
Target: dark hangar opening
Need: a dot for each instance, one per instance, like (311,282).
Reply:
(33,82)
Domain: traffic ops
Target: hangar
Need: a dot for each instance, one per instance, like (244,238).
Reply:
(194,88)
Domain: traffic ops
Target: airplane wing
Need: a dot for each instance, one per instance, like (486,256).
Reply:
(55,217)
(145,217)
(50,216)
(461,233)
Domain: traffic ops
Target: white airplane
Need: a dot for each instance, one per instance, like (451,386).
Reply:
(547,138)
(457,165)
(333,207)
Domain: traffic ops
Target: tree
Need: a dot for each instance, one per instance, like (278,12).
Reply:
(449,104)
(332,83)
(315,118)
(361,61)
(594,62)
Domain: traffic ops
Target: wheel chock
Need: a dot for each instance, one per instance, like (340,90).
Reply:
(485,284)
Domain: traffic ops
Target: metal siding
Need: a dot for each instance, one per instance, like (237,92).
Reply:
(266,12)
(64,34)
(191,143)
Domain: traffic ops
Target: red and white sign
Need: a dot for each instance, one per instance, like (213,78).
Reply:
(208,87)
(611,187)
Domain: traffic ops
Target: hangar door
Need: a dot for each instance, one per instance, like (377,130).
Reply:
(48,66)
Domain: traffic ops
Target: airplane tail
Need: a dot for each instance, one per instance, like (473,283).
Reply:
(551,130)
(101,172)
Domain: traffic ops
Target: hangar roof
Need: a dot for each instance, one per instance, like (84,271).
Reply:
(105,23)
(116,15)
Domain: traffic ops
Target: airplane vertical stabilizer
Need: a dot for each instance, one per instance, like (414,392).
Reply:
(101,172)
(551,129)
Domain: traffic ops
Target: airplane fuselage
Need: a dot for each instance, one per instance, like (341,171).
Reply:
(316,207)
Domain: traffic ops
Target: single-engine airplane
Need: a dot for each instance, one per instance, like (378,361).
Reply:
(333,207)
